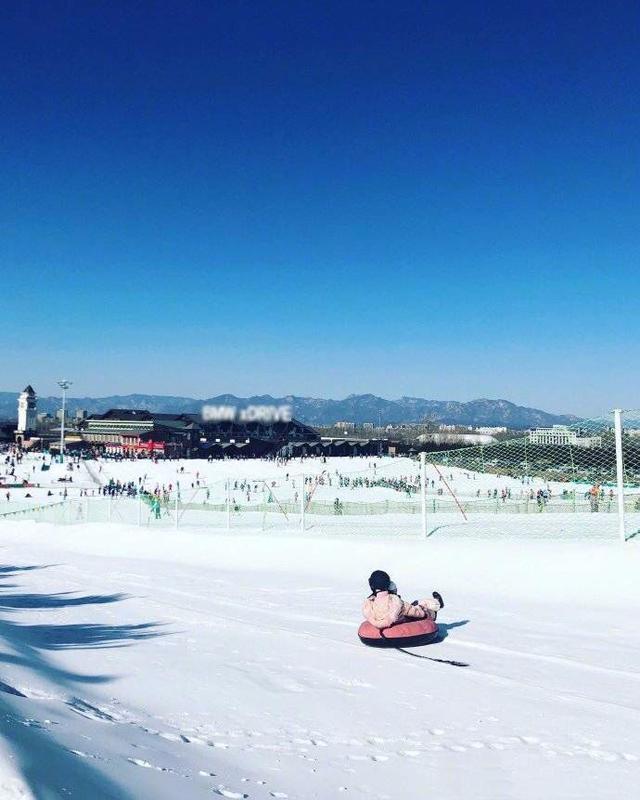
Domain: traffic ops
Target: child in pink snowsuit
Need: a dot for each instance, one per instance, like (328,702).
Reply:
(384,607)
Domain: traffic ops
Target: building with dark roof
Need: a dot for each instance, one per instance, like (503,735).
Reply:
(127,431)
(138,432)
(254,439)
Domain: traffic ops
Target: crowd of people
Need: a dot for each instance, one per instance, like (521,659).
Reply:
(18,473)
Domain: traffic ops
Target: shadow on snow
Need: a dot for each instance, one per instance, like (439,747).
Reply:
(47,766)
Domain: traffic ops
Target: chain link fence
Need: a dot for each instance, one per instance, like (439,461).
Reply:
(573,481)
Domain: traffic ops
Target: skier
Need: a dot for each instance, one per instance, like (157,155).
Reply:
(384,606)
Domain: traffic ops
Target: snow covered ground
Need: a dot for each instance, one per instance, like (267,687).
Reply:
(143,663)
(267,495)
(195,475)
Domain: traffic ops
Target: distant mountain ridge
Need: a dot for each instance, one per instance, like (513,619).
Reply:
(356,408)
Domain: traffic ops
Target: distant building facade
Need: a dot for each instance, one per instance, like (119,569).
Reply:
(139,432)
(346,426)
(563,435)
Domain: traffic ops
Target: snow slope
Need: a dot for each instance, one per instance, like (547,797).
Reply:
(142,663)
(195,475)
(266,495)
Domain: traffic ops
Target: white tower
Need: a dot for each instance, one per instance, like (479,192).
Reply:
(27,411)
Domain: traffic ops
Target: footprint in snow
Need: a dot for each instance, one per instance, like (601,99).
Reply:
(81,754)
(29,722)
(193,740)
(140,762)
(231,795)
(173,737)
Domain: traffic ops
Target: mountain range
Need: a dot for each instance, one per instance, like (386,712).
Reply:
(356,408)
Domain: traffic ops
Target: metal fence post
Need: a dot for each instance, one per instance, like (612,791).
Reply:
(423,492)
(139,507)
(302,503)
(228,504)
(177,512)
(617,420)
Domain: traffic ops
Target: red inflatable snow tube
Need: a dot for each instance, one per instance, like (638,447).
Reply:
(403,634)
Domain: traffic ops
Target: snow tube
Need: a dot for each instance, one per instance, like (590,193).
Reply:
(403,634)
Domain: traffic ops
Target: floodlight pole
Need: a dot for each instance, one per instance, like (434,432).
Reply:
(64,385)
(617,420)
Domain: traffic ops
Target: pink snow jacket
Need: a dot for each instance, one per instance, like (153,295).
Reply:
(385,609)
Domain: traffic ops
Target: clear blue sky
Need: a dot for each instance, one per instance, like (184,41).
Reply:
(409,198)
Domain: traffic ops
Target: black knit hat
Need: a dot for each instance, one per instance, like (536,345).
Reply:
(379,581)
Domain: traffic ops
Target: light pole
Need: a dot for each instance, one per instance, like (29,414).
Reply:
(64,385)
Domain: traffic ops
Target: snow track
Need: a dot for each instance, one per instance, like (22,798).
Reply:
(148,664)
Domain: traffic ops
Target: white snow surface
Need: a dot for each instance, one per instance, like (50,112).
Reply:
(266,495)
(144,663)
(194,476)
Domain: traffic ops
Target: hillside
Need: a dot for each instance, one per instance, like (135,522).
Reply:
(318,411)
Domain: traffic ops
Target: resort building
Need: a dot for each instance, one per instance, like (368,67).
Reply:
(563,435)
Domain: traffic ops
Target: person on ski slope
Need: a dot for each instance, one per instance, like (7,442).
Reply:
(384,606)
